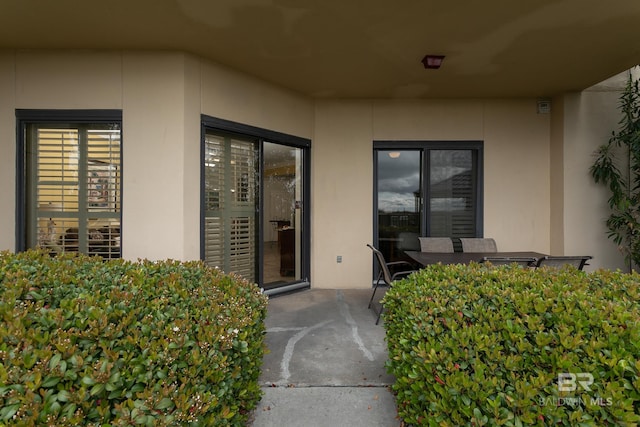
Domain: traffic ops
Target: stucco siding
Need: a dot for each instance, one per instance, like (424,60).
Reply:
(516,180)
(342,195)
(63,79)
(590,117)
(240,98)
(153,211)
(7,151)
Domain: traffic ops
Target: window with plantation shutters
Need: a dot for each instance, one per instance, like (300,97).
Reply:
(73,187)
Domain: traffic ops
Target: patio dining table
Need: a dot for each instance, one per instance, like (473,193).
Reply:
(426,258)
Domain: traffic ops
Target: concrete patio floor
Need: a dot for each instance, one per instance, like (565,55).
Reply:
(326,363)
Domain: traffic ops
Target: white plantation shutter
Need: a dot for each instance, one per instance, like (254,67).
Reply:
(242,246)
(55,165)
(214,173)
(213,238)
(73,175)
(230,205)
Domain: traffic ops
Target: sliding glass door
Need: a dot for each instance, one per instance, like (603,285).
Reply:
(282,214)
(254,222)
(453,193)
(399,199)
(426,189)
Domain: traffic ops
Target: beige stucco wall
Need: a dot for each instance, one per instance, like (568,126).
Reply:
(243,99)
(556,160)
(157,212)
(589,117)
(7,151)
(341,188)
(516,185)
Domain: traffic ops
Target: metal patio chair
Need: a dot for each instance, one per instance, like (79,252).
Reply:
(478,244)
(521,261)
(436,244)
(386,276)
(560,261)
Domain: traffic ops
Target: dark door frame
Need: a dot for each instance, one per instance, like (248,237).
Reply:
(265,135)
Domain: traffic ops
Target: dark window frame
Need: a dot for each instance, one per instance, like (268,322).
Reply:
(424,147)
(209,123)
(26,117)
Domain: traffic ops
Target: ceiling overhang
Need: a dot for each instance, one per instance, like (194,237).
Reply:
(343,49)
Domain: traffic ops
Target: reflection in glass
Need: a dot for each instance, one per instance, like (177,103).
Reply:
(282,189)
(399,202)
(451,193)
(445,177)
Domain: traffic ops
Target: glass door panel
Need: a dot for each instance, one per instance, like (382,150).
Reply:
(399,202)
(282,189)
(452,193)
(253,218)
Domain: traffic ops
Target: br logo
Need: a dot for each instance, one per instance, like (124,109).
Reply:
(569,382)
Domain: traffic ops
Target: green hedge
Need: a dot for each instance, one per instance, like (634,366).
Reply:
(478,345)
(89,342)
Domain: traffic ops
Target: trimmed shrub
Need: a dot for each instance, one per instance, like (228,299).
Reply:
(115,343)
(479,345)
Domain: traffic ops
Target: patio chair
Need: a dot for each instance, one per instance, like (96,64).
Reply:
(408,241)
(436,244)
(521,261)
(400,271)
(560,261)
(478,244)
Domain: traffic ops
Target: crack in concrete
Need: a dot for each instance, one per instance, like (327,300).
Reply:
(301,332)
(344,311)
(288,351)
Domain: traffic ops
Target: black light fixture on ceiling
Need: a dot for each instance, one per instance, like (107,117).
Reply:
(432,61)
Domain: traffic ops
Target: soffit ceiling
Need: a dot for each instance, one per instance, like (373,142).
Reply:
(357,49)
